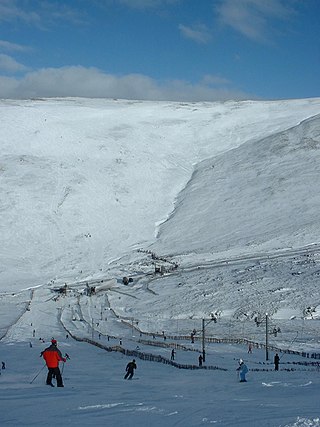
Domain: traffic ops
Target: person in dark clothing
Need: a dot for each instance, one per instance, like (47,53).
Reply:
(131,366)
(52,356)
(173,354)
(200,360)
(276,362)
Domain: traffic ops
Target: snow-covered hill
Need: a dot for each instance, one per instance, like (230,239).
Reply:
(222,199)
(262,195)
(86,182)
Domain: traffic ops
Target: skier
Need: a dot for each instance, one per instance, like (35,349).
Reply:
(3,365)
(200,360)
(173,354)
(276,362)
(243,369)
(52,356)
(131,366)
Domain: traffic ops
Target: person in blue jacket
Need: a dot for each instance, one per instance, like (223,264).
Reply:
(243,369)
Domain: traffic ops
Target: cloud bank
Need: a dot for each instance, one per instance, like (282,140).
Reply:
(78,81)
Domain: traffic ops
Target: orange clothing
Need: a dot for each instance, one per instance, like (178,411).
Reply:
(52,356)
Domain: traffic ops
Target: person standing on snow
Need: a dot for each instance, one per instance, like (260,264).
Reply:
(276,362)
(243,369)
(131,366)
(200,360)
(52,356)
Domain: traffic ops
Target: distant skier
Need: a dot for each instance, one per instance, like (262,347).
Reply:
(52,356)
(3,365)
(173,354)
(276,362)
(200,360)
(131,366)
(243,369)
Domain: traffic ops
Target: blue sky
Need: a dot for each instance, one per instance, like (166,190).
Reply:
(192,50)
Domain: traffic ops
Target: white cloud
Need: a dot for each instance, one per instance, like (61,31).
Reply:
(91,82)
(54,12)
(10,10)
(252,18)
(38,13)
(198,33)
(8,64)
(5,45)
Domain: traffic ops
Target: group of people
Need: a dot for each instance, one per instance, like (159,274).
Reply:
(243,369)
(52,356)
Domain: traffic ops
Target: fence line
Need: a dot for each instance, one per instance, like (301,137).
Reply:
(144,356)
(161,359)
(244,341)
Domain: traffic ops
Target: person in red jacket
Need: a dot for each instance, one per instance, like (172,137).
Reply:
(52,356)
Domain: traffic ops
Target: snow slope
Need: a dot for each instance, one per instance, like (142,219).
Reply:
(84,182)
(223,197)
(262,195)
(159,395)
(96,394)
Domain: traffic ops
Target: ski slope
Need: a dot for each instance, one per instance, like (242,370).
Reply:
(220,197)
(96,393)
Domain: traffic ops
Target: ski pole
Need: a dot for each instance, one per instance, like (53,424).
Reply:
(37,374)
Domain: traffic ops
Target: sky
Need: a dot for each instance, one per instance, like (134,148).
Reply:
(180,50)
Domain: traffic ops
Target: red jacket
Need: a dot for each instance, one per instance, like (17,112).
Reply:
(52,356)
